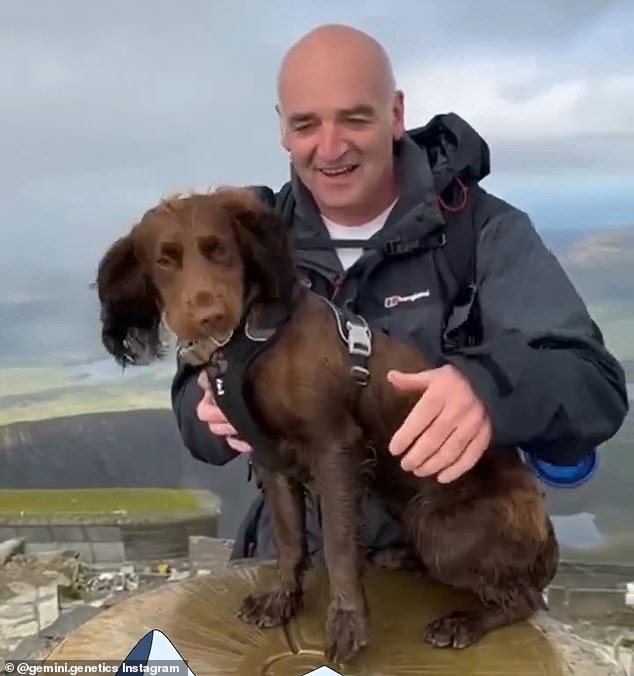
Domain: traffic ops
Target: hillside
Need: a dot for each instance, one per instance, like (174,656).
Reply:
(601,264)
(125,449)
(143,448)
(73,419)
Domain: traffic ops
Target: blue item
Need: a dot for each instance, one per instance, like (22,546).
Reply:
(569,476)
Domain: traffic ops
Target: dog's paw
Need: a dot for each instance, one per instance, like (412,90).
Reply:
(270,609)
(347,633)
(456,630)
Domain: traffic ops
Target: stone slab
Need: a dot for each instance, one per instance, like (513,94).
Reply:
(198,615)
(8,532)
(84,549)
(103,533)
(108,552)
(34,533)
(68,533)
(590,603)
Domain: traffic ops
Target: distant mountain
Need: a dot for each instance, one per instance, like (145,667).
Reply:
(61,324)
(602,264)
(125,449)
(143,448)
(560,241)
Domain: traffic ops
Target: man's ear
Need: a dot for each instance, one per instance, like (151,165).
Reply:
(398,112)
(283,128)
(264,242)
(130,314)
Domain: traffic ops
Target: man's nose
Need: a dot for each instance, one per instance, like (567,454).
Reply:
(331,145)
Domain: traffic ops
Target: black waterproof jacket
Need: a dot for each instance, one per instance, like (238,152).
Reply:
(541,367)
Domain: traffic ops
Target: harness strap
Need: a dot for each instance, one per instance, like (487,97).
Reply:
(229,364)
(389,247)
(354,331)
(381,248)
(226,376)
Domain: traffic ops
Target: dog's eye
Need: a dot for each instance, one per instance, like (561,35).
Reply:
(169,256)
(213,248)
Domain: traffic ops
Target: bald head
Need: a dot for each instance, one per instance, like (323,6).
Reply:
(331,47)
(340,114)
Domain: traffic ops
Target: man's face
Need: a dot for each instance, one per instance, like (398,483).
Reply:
(339,126)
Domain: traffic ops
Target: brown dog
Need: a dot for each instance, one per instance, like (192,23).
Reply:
(192,262)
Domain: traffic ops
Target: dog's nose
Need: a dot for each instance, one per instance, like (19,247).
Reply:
(211,318)
(209,312)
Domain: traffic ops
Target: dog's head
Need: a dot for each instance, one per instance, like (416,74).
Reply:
(191,261)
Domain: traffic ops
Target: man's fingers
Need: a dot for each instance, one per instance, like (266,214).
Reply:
(203,381)
(448,453)
(207,411)
(239,445)
(222,429)
(427,444)
(454,445)
(210,413)
(408,381)
(417,421)
(468,459)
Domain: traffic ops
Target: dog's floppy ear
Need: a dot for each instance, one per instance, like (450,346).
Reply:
(264,242)
(130,315)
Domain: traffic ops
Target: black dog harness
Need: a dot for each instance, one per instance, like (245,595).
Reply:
(229,363)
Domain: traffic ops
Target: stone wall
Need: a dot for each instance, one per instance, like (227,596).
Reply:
(110,539)
(30,608)
(610,604)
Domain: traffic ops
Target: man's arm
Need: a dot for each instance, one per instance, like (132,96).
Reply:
(196,435)
(543,372)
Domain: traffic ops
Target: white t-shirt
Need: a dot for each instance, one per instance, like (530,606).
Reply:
(348,256)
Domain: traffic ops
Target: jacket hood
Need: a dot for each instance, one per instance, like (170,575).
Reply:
(429,159)
(454,149)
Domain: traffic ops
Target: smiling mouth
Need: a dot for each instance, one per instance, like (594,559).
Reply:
(336,172)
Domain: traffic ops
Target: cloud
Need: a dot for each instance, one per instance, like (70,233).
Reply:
(106,106)
(577,122)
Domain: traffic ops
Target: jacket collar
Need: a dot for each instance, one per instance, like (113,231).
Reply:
(417,205)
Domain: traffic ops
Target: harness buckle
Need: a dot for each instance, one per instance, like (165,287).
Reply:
(360,348)
(359,339)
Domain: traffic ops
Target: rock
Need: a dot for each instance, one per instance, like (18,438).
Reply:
(177,575)
(28,608)
(126,579)
(582,656)
(624,653)
(9,548)
(54,555)
(209,551)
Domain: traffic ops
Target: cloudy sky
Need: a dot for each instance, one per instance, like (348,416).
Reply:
(107,105)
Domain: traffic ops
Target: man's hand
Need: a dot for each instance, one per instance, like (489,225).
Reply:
(448,429)
(211,414)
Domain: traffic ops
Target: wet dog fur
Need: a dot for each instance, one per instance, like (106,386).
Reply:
(189,263)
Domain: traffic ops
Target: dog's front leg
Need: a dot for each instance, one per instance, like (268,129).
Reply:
(337,473)
(285,501)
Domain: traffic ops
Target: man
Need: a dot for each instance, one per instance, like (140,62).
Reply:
(538,378)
